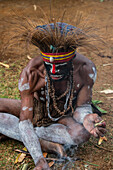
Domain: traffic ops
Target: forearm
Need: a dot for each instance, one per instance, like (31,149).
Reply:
(30,139)
(81,112)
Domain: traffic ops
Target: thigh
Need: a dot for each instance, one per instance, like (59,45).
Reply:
(77,131)
(10,106)
(68,121)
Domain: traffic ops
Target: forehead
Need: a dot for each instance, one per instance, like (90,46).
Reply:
(56,64)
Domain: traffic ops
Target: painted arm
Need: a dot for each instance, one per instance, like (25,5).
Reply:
(83,113)
(27,84)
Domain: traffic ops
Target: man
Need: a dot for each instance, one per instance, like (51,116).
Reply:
(56,93)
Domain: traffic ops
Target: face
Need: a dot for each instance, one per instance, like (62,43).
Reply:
(58,71)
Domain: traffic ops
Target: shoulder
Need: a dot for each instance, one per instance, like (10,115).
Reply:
(87,69)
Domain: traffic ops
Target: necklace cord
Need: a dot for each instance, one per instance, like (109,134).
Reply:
(50,94)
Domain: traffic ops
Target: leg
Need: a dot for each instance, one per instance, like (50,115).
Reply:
(77,131)
(10,106)
(9,127)
(52,147)
(68,131)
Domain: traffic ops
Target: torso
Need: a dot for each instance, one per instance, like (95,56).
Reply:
(79,78)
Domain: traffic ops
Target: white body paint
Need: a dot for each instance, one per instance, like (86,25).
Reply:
(24,86)
(31,108)
(78,85)
(24,108)
(30,139)
(88,87)
(42,92)
(93,75)
(42,98)
(24,131)
(83,111)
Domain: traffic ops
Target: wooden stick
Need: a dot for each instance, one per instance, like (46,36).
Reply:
(108,64)
(5,65)
(101,147)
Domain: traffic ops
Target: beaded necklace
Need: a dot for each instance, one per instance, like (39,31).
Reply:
(50,93)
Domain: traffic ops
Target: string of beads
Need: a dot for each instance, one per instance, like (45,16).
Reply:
(50,93)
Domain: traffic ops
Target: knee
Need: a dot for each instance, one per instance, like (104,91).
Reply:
(78,133)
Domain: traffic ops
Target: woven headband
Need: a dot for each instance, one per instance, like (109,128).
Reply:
(57,57)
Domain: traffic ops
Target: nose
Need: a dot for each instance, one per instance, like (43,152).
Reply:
(53,69)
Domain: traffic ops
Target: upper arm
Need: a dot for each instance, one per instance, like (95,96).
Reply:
(88,76)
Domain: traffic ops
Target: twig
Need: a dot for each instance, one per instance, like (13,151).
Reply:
(5,65)
(108,64)
(101,147)
(54,159)
(65,166)
(90,163)
(25,167)
(97,124)
(22,151)
(29,57)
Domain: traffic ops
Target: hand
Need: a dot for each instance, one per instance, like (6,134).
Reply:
(42,165)
(31,81)
(94,125)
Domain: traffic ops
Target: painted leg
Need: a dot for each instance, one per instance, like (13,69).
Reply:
(58,133)
(55,133)
(9,126)
(68,132)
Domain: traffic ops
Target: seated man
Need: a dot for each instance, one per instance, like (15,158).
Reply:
(56,93)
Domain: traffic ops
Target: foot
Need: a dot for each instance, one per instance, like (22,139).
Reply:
(42,165)
(51,147)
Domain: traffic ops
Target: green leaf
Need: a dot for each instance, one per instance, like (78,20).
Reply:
(95,102)
(101,110)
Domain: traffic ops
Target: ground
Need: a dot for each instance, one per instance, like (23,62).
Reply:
(100,15)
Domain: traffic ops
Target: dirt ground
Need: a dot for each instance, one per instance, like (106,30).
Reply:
(100,14)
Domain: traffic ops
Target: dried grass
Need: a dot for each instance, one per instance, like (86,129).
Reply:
(22,33)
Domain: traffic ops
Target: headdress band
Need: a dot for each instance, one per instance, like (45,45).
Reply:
(57,57)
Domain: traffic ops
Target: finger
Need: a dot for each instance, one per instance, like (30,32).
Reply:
(94,133)
(40,74)
(99,132)
(102,130)
(34,80)
(98,119)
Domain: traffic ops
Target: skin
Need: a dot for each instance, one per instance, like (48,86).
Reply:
(34,74)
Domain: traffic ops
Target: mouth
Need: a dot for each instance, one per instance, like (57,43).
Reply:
(56,77)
